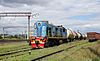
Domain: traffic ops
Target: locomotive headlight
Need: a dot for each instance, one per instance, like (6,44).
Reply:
(33,40)
(41,39)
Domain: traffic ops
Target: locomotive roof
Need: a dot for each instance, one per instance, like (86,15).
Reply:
(52,24)
(43,21)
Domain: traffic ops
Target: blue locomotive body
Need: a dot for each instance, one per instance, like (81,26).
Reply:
(43,28)
(40,29)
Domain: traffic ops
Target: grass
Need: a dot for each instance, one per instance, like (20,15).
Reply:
(62,55)
(79,53)
(41,52)
(12,44)
(14,38)
(84,54)
(7,47)
(12,47)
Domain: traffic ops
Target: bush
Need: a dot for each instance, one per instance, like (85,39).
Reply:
(15,36)
(0,37)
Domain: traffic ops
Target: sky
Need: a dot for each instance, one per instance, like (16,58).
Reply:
(82,15)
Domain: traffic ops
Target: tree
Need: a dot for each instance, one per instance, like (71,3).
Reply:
(0,37)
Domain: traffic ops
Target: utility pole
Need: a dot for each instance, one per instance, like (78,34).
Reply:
(25,34)
(28,27)
(17,14)
(3,33)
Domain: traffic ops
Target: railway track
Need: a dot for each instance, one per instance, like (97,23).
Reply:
(4,50)
(14,52)
(9,41)
(40,58)
(24,49)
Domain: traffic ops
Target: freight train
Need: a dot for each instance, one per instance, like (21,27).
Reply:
(45,35)
(93,36)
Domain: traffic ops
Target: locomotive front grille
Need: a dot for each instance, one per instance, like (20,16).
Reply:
(37,42)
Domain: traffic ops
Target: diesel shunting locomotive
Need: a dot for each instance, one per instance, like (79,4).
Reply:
(45,35)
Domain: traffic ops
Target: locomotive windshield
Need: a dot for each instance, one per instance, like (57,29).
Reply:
(39,29)
(39,24)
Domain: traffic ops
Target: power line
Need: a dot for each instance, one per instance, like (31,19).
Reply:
(19,14)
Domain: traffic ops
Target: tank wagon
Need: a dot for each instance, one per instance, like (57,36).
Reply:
(70,35)
(84,36)
(93,36)
(45,34)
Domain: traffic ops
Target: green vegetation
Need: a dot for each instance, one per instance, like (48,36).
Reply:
(7,47)
(41,52)
(14,37)
(88,52)
(0,37)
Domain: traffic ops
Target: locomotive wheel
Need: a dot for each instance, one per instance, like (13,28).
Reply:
(65,41)
(69,40)
(48,44)
(56,42)
(91,40)
(60,41)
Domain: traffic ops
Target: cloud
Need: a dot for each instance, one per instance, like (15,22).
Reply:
(84,17)
(83,14)
(18,3)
